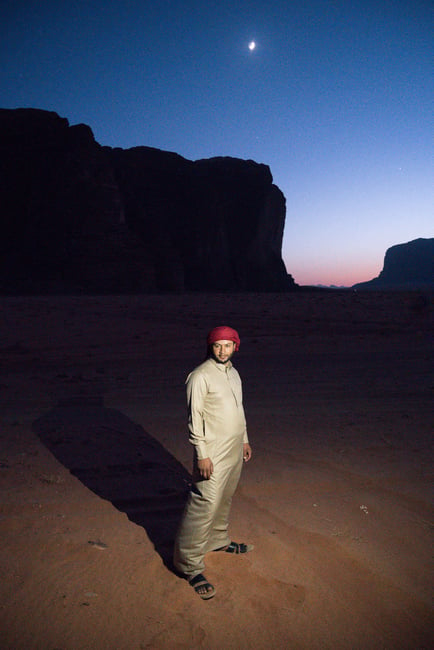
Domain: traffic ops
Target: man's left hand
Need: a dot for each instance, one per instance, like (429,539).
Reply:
(247,452)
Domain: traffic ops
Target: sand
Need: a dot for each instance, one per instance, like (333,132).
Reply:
(95,468)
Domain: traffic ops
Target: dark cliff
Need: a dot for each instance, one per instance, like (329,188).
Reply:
(77,216)
(406,266)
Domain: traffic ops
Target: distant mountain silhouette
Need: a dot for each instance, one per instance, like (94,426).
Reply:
(406,266)
(80,217)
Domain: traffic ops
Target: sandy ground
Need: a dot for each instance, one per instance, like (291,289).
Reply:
(95,462)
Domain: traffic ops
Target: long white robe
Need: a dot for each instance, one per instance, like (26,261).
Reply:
(217,427)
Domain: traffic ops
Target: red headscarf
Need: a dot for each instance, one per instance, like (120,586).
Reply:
(224,333)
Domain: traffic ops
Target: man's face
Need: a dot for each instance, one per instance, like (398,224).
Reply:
(222,351)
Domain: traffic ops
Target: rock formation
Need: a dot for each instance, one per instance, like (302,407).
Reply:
(77,216)
(406,266)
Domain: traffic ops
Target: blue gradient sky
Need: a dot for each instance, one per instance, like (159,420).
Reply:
(336,99)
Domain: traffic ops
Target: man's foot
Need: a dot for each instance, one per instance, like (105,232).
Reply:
(202,587)
(236,548)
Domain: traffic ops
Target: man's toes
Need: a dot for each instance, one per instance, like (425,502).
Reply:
(202,587)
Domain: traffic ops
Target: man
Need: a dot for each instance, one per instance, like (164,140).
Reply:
(217,428)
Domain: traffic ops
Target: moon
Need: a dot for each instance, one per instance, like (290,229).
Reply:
(252,45)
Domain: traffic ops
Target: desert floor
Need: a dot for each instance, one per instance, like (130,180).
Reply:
(95,462)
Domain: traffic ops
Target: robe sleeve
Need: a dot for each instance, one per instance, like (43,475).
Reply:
(196,391)
(240,401)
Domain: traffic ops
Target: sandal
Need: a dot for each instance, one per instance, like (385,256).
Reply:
(200,581)
(236,548)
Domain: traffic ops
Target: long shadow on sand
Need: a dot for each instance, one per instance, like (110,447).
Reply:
(118,460)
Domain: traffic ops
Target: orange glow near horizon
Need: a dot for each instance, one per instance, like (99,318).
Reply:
(333,274)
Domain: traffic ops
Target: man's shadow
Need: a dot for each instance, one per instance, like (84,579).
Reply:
(119,461)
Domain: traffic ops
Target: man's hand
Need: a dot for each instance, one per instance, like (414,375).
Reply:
(205,468)
(247,452)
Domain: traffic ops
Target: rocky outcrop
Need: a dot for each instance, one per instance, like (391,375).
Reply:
(212,224)
(62,225)
(77,216)
(406,266)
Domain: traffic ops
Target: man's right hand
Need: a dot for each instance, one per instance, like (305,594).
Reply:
(205,468)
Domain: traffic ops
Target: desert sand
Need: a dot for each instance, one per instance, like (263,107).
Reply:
(95,468)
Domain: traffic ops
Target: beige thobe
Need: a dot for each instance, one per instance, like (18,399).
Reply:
(217,427)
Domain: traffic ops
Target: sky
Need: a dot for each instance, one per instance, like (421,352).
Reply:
(336,97)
